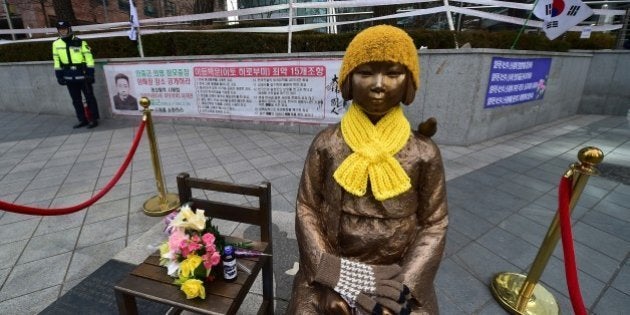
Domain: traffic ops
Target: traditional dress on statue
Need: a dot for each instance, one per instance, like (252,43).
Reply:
(403,225)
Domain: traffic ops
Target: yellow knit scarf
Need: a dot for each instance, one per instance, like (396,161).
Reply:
(374,147)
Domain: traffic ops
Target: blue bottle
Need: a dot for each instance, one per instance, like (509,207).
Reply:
(229,264)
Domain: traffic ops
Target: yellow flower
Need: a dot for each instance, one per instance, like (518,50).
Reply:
(193,288)
(164,248)
(188,266)
(188,219)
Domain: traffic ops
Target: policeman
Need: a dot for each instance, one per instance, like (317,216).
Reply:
(74,68)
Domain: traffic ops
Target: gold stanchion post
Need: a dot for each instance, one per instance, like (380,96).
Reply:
(164,202)
(520,294)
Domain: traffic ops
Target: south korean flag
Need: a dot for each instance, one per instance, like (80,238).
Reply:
(560,15)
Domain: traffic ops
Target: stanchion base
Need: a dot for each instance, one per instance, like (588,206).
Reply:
(506,286)
(154,208)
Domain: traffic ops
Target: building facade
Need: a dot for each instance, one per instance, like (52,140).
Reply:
(41,13)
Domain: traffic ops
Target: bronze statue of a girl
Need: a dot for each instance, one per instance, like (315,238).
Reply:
(371,213)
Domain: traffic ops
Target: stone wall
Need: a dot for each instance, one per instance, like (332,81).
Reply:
(452,89)
(607,88)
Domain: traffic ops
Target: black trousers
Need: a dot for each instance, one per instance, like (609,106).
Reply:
(76,88)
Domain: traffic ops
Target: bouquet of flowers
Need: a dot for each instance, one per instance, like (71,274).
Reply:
(193,248)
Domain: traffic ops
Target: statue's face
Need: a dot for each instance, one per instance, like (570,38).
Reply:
(377,87)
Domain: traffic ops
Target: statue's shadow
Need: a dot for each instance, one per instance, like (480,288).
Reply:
(285,257)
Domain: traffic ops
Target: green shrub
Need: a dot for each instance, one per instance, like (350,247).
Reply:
(597,41)
(221,43)
(26,52)
(311,42)
(113,46)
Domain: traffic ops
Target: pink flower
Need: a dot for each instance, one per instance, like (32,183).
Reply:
(184,249)
(176,239)
(187,247)
(208,239)
(211,259)
(193,247)
(211,248)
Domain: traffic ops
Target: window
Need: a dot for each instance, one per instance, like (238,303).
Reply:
(170,8)
(150,8)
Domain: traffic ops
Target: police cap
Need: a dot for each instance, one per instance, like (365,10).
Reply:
(62,24)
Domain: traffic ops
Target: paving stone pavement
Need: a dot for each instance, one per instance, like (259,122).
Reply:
(501,193)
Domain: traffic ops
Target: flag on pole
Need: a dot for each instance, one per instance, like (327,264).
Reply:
(561,15)
(133,21)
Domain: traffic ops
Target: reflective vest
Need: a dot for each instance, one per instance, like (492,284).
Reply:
(72,58)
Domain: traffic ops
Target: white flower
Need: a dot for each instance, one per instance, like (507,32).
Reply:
(172,268)
(188,219)
(169,255)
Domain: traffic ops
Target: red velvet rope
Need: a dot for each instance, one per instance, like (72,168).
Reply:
(570,268)
(10,207)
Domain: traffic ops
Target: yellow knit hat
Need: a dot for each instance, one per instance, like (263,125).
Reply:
(381,43)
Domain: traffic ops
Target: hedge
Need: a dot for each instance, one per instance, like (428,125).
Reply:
(204,43)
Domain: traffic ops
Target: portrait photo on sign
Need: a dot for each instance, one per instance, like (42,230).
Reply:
(123,99)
